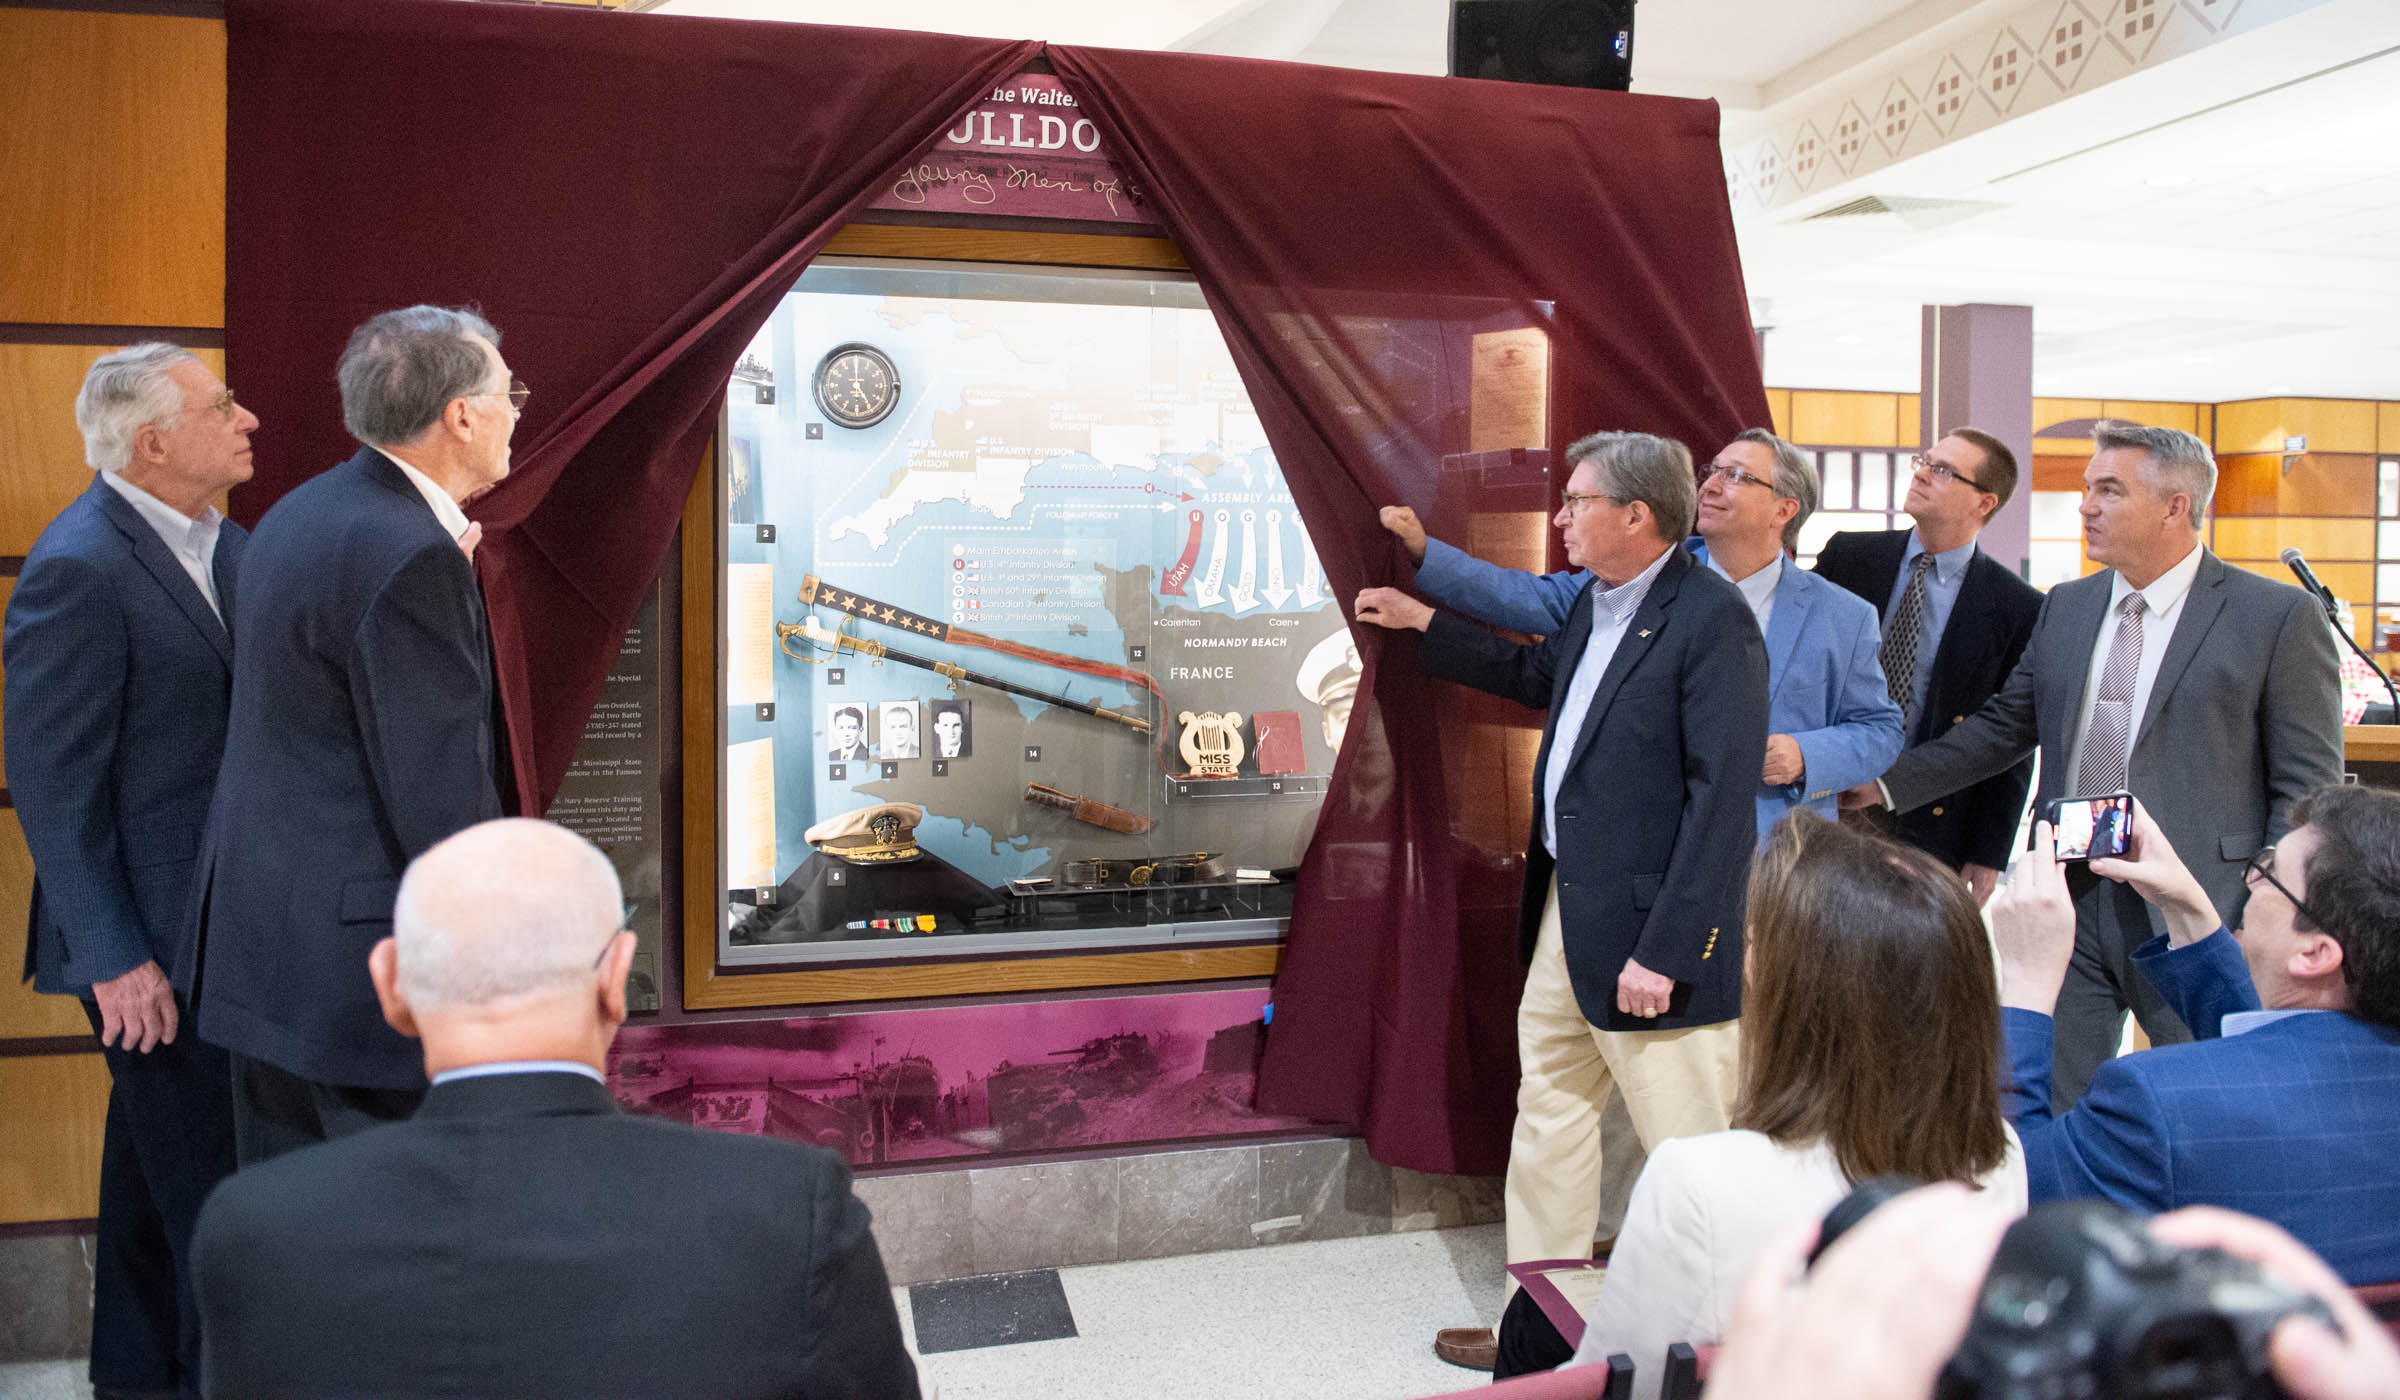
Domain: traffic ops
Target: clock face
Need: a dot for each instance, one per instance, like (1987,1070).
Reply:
(857,385)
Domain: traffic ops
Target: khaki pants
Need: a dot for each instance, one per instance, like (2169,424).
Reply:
(1675,1083)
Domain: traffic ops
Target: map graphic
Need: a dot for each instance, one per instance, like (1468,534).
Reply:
(1073,466)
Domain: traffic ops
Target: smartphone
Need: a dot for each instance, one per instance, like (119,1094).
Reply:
(2088,828)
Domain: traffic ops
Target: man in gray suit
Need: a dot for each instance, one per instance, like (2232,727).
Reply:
(2208,692)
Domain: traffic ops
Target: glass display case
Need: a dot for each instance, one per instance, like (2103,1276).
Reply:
(1024,646)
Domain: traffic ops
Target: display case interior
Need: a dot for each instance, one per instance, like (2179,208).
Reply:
(1024,643)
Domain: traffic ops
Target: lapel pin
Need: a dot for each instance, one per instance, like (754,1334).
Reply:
(1643,633)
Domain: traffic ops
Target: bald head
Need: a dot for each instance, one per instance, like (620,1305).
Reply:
(506,909)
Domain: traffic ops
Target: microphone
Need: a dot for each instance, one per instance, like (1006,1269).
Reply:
(2333,615)
(2308,580)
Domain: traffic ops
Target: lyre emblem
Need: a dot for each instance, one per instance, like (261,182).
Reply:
(1211,743)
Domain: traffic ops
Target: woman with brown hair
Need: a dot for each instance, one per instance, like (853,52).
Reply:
(1870,1045)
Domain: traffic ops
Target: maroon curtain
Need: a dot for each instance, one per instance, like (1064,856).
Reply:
(1355,233)
(627,198)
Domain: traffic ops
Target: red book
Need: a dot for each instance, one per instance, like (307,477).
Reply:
(1279,749)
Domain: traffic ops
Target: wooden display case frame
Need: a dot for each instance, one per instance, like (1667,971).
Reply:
(708,987)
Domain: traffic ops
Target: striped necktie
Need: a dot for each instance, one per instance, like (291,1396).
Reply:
(1904,634)
(2108,742)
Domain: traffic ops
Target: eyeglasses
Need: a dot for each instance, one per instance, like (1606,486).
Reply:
(516,391)
(2262,867)
(1942,472)
(223,405)
(1735,476)
(1573,500)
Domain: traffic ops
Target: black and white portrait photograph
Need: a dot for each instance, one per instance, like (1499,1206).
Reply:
(953,733)
(847,727)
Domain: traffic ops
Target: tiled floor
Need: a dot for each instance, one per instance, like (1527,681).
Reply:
(1334,1320)
(44,1380)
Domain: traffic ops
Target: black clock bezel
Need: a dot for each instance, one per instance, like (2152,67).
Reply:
(851,420)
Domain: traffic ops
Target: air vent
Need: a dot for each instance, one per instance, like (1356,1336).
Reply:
(1907,209)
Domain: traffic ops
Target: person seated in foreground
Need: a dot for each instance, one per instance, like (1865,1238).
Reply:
(2287,1106)
(1887,1305)
(520,1236)
(1870,1043)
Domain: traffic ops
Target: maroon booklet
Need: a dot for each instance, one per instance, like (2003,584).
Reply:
(1279,747)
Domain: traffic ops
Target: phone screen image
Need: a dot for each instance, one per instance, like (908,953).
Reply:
(2086,827)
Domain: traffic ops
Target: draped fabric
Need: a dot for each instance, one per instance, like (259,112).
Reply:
(627,197)
(1356,234)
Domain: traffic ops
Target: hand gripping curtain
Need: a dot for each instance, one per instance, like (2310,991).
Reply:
(1375,246)
(625,196)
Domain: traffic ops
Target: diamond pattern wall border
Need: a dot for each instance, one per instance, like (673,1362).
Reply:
(1922,99)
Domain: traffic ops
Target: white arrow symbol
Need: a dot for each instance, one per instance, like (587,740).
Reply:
(1275,591)
(1245,588)
(1206,595)
(1310,593)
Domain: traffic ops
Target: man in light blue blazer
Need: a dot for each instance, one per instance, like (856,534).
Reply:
(1830,716)
(2287,1104)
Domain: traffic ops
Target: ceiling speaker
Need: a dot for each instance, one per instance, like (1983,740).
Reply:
(1563,43)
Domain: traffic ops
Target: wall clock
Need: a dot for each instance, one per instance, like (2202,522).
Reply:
(857,385)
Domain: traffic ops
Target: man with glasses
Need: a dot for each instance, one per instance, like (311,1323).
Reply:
(119,656)
(363,729)
(1831,720)
(2287,1106)
(1655,686)
(522,1236)
(2205,690)
(1955,621)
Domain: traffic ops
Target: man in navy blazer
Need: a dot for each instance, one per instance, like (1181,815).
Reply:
(521,1237)
(362,729)
(2287,1105)
(1968,626)
(1830,716)
(119,655)
(1655,684)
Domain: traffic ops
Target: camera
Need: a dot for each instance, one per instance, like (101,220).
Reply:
(2082,1301)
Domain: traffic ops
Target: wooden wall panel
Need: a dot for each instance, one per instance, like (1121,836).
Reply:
(2059,471)
(2332,425)
(55,1107)
(2352,583)
(1779,412)
(38,440)
(1909,431)
(2155,413)
(2305,483)
(2047,412)
(2267,536)
(23,1012)
(112,150)
(2387,427)
(2248,483)
(2329,483)
(1834,418)
(2252,425)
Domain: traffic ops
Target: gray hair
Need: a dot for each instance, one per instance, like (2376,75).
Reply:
(505,908)
(124,392)
(402,368)
(1656,471)
(2178,460)
(1795,480)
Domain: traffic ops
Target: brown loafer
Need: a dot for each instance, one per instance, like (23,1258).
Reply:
(1472,1347)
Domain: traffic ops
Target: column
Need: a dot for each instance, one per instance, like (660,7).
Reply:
(1978,373)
